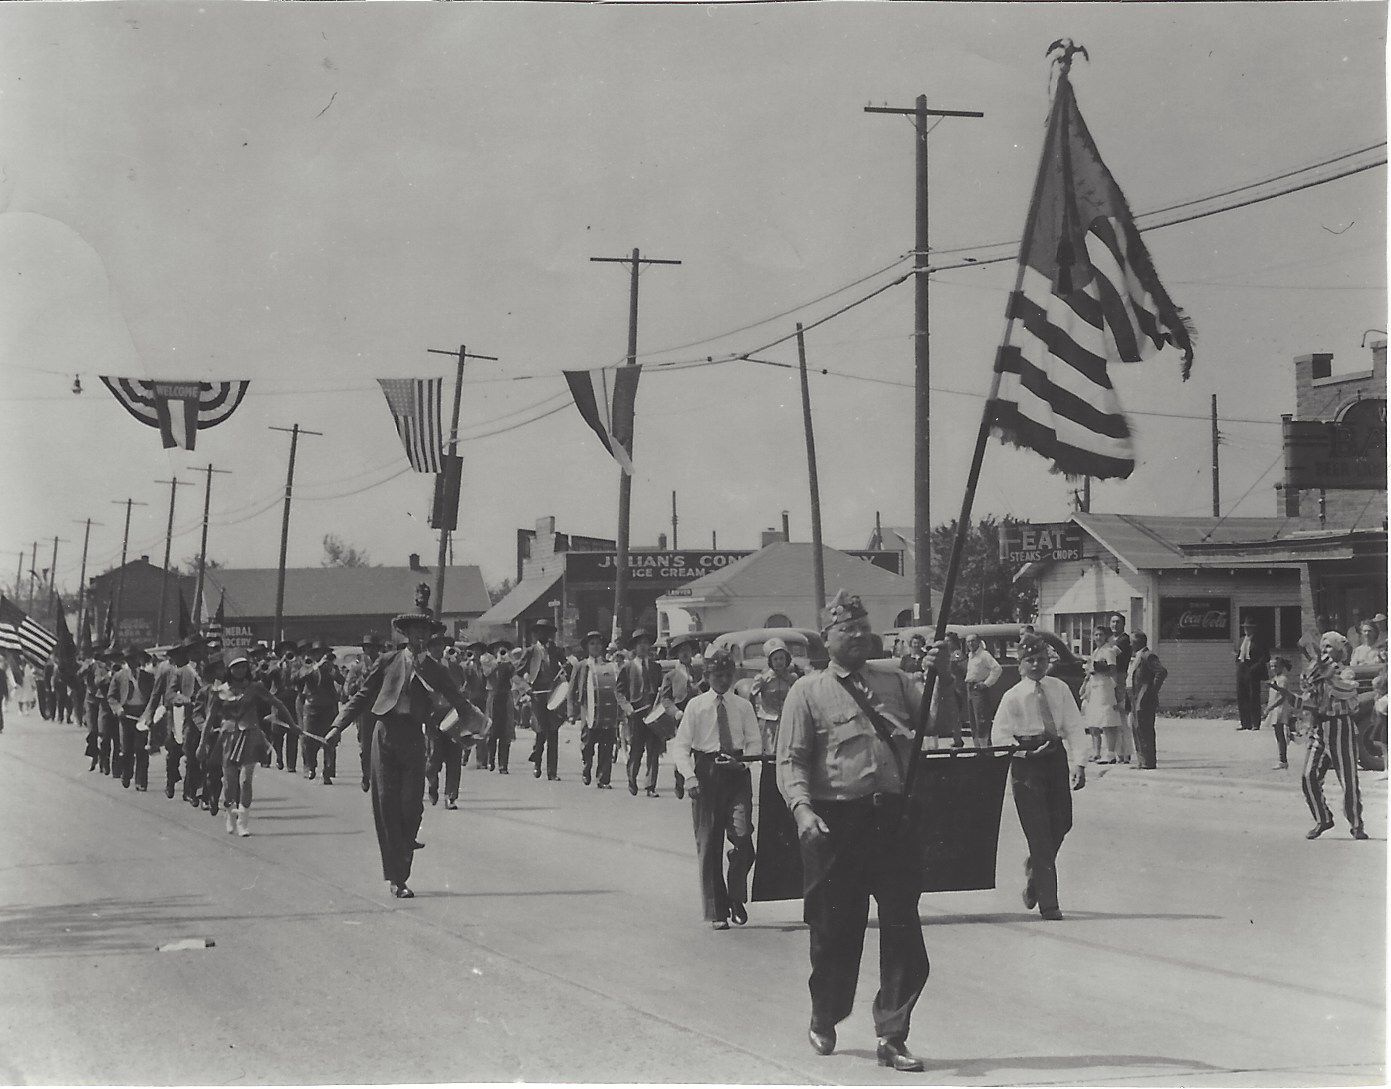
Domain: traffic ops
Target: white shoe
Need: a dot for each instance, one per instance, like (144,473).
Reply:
(231,814)
(243,820)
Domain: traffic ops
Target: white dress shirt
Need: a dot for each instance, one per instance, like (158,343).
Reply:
(982,668)
(1018,715)
(699,730)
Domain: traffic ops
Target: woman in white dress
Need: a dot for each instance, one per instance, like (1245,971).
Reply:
(1102,709)
(26,696)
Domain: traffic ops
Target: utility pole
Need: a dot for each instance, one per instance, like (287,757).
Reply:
(462,355)
(203,547)
(625,482)
(121,576)
(53,578)
(818,561)
(673,521)
(82,578)
(1216,486)
(19,576)
(174,484)
(33,574)
(714,542)
(295,432)
(922,398)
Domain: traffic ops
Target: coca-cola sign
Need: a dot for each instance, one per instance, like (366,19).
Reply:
(1195,618)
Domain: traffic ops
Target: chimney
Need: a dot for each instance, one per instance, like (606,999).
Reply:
(661,542)
(415,561)
(144,559)
(786,527)
(770,536)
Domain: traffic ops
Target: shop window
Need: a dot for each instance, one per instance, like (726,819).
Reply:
(1076,629)
(904,618)
(1291,619)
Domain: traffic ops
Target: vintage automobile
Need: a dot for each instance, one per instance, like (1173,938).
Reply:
(746,648)
(1002,641)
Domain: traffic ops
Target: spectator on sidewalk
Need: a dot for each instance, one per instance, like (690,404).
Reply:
(1101,697)
(983,673)
(1280,706)
(1251,655)
(1366,651)
(1143,681)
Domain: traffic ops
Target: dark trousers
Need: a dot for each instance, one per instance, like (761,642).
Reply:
(92,714)
(547,724)
(723,810)
(1043,800)
(318,720)
(45,693)
(212,777)
(135,757)
(982,702)
(444,752)
(862,857)
(643,743)
(1248,697)
(1282,740)
(495,752)
(1333,744)
(193,770)
(398,780)
(285,744)
(600,743)
(62,703)
(1144,735)
(365,723)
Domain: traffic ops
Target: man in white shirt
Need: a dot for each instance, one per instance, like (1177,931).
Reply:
(718,728)
(982,675)
(1040,715)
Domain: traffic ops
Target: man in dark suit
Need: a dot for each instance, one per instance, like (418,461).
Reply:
(1251,655)
(400,691)
(542,666)
(638,683)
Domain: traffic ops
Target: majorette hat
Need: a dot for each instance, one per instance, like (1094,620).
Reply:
(422,614)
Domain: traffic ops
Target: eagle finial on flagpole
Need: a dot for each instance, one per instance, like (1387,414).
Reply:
(1066,48)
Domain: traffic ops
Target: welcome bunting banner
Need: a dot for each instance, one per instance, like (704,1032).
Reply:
(179,409)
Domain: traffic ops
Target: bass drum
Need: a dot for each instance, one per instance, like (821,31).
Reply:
(601,700)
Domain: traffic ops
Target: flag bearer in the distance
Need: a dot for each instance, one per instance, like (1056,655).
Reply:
(717,730)
(352,681)
(1040,715)
(843,750)
(541,666)
(399,691)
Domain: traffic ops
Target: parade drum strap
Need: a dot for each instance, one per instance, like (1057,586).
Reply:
(558,695)
(881,725)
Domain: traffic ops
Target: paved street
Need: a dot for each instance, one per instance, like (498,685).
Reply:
(555,937)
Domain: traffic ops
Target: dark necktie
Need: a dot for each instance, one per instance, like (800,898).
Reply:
(722,725)
(1045,713)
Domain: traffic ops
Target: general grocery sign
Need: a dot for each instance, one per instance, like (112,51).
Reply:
(1031,542)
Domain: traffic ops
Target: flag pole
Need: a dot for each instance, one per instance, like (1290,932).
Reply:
(963,521)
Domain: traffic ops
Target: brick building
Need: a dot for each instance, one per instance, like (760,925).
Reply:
(137,587)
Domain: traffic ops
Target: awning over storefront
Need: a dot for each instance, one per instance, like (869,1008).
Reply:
(525,601)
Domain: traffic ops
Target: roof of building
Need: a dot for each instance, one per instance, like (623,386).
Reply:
(896,539)
(783,569)
(342,591)
(1149,543)
(519,599)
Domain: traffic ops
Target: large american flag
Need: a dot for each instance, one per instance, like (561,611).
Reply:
(1088,295)
(415,406)
(22,635)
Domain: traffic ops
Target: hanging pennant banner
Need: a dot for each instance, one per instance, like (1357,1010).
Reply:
(179,409)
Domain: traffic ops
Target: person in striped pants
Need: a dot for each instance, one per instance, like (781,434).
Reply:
(1330,694)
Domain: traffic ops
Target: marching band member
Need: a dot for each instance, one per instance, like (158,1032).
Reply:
(718,729)
(352,681)
(320,684)
(98,676)
(1330,695)
(843,749)
(441,750)
(467,671)
(679,686)
(770,689)
(399,690)
(237,714)
(130,693)
(542,666)
(639,680)
(206,744)
(598,731)
(281,682)
(502,715)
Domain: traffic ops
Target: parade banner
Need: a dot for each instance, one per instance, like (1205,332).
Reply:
(606,397)
(415,408)
(954,831)
(179,409)
(1088,295)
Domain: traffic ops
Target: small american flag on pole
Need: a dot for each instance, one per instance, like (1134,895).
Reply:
(21,634)
(1087,295)
(415,406)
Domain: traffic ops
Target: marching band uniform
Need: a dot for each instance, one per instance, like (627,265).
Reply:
(352,681)
(204,745)
(1331,697)
(542,665)
(441,750)
(130,693)
(717,730)
(679,686)
(595,736)
(98,676)
(843,748)
(109,729)
(319,683)
(468,675)
(399,691)
(237,714)
(502,715)
(639,680)
(280,680)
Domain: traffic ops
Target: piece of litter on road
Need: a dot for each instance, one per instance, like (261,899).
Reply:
(187,943)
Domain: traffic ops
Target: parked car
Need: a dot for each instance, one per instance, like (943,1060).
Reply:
(1002,641)
(746,648)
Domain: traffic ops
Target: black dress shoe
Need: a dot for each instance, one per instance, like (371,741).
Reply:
(680,790)
(652,793)
(434,794)
(738,914)
(823,1043)
(537,773)
(633,789)
(892,1053)
(719,924)
(1359,833)
(402,893)
(169,790)
(1053,915)
(587,778)
(1318,830)
(1030,897)
(366,786)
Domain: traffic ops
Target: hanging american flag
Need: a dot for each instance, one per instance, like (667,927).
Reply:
(606,397)
(1087,295)
(23,635)
(415,406)
(179,409)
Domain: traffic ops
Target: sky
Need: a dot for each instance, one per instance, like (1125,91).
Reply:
(310,196)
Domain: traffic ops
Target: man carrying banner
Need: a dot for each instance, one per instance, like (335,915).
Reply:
(1039,715)
(541,666)
(843,747)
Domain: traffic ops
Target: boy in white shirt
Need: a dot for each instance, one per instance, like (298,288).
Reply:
(1040,715)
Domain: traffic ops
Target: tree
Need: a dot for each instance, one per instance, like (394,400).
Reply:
(338,553)
(189,564)
(500,590)
(985,589)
